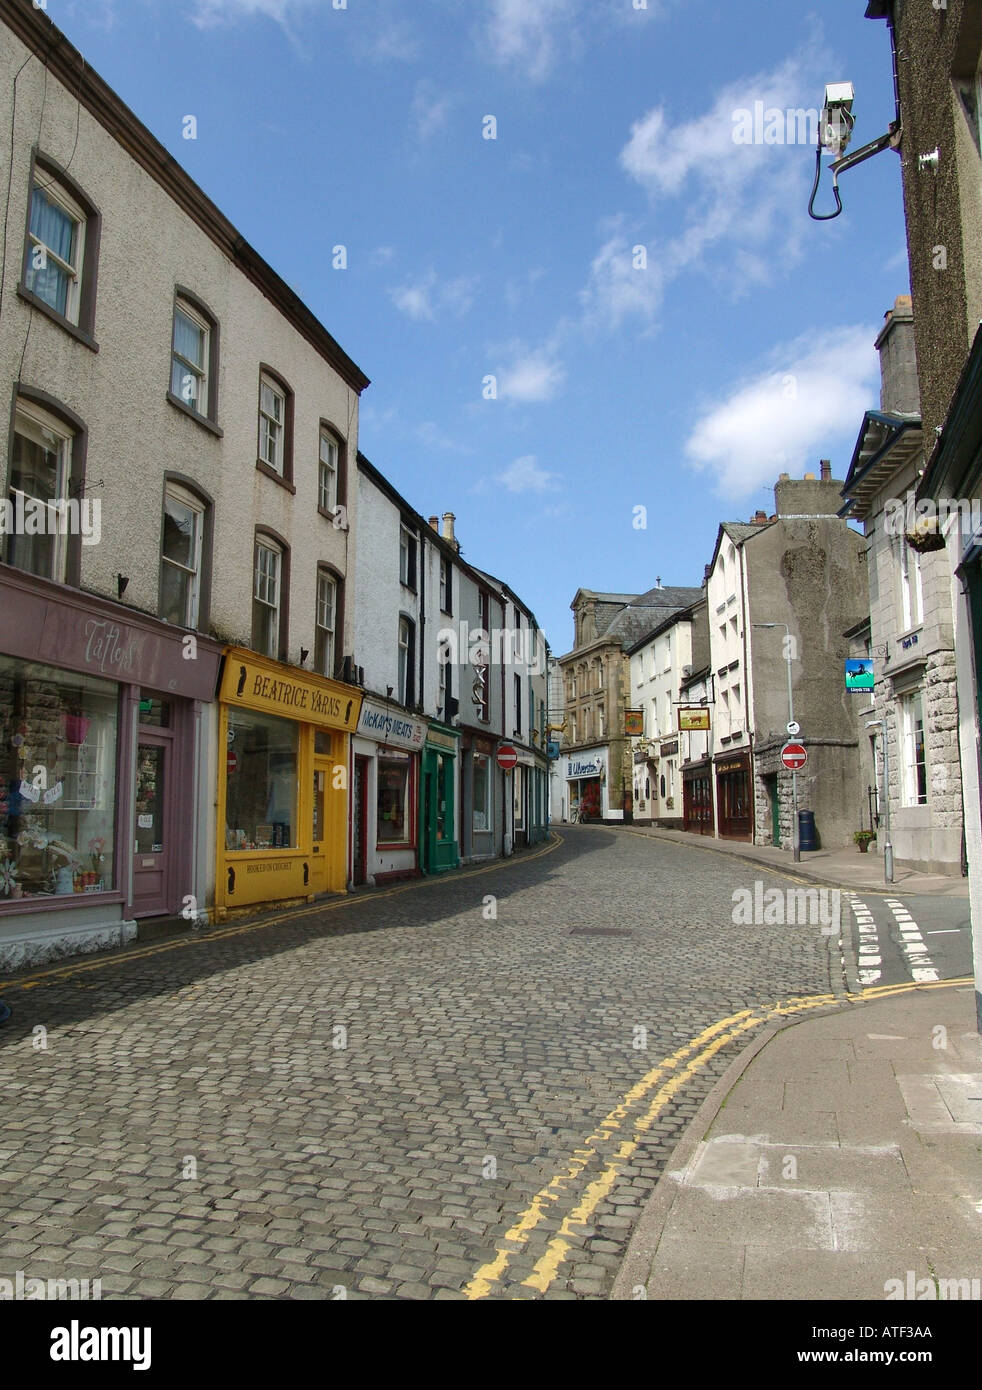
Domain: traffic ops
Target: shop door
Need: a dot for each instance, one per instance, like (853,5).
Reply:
(359,823)
(318,857)
(153,847)
(734,805)
(427,826)
(771,785)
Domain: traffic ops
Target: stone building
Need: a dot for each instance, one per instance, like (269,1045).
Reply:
(781,592)
(597,763)
(911,635)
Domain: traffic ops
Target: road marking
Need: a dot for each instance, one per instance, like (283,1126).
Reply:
(242,928)
(944,931)
(547,1267)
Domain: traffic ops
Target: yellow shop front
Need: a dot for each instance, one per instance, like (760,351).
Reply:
(284,741)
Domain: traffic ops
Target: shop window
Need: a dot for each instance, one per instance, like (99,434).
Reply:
(393,825)
(407,653)
(181,550)
(57,799)
(38,492)
(266,596)
(61,253)
(518,777)
(326,623)
(482,792)
(261,786)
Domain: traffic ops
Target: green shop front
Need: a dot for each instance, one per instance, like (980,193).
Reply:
(438,848)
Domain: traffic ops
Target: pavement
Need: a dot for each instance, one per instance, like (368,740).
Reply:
(839,1158)
(841,868)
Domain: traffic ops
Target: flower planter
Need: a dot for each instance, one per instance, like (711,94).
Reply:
(76,727)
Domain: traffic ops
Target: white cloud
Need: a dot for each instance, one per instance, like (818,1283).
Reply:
(526,33)
(531,376)
(428,297)
(525,475)
(211,12)
(813,391)
(626,281)
(744,203)
(429,111)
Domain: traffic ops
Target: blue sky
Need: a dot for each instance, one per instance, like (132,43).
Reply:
(741,348)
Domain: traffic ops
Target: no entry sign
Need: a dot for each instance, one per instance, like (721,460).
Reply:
(794,756)
(507,757)
(231,761)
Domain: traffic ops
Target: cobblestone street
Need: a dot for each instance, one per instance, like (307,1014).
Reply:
(367,1096)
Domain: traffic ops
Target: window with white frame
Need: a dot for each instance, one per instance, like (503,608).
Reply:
(272,423)
(446,585)
(55,247)
(39,477)
(180,575)
(482,792)
(266,597)
(190,349)
(327,473)
(407,634)
(407,557)
(911,594)
(914,765)
(326,620)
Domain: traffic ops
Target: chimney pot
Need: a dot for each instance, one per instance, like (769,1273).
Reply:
(784,477)
(435,522)
(826,470)
(809,477)
(448,531)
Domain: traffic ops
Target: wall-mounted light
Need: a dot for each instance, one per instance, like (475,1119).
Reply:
(304,653)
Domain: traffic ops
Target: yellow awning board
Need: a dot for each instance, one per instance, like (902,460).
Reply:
(257,683)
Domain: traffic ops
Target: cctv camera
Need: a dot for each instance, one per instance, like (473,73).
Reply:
(837,118)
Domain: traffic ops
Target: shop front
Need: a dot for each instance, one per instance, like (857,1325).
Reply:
(586,779)
(385,800)
(283,740)
(734,796)
(480,828)
(103,726)
(438,845)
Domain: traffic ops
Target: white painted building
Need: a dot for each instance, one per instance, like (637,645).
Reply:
(658,665)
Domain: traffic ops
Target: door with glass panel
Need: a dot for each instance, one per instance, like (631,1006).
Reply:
(153,838)
(318,857)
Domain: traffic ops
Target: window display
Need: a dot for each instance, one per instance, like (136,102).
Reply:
(58,784)
(261,785)
(393,799)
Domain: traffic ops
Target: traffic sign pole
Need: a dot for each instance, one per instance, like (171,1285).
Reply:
(794,756)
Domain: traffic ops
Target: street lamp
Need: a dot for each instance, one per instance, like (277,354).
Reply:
(887,845)
(795,831)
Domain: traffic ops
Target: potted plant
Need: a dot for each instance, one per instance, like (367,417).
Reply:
(862,839)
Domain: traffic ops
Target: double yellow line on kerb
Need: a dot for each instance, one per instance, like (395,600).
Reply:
(678,1068)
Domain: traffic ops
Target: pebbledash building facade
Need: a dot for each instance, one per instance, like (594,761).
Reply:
(179,699)
(184,731)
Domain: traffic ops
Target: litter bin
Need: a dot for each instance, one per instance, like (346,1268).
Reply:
(807,834)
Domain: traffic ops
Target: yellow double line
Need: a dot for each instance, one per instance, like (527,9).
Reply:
(704,1046)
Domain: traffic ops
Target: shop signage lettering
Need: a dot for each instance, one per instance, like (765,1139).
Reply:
(577,767)
(308,701)
(269,867)
(296,696)
(388,726)
(107,649)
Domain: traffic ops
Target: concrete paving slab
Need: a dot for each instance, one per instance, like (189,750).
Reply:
(686,1270)
(841,1169)
(726,1161)
(870,1220)
(825,1275)
(754,1217)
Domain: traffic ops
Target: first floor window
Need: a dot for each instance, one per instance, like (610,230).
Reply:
(272,418)
(189,358)
(40,471)
(261,791)
(914,770)
(482,792)
(55,247)
(327,593)
(407,558)
(58,782)
(266,598)
(406,646)
(446,586)
(445,691)
(181,556)
(394,824)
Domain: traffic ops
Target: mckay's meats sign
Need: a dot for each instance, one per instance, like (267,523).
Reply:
(390,726)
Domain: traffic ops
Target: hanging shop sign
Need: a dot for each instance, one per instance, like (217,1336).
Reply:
(693,720)
(273,688)
(859,674)
(633,723)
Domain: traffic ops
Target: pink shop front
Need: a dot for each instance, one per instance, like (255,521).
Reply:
(103,720)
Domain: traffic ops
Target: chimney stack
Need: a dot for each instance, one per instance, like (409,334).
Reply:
(448,532)
(826,466)
(435,523)
(898,361)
